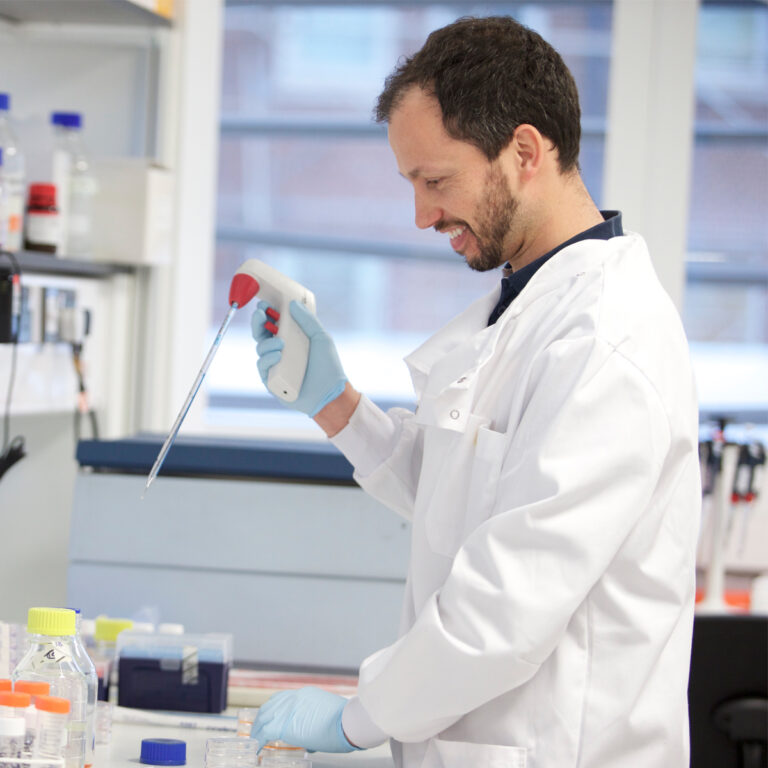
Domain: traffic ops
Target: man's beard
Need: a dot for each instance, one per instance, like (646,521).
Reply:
(495,216)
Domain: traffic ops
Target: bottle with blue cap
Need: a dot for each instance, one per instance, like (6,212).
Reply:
(12,213)
(75,183)
(163,752)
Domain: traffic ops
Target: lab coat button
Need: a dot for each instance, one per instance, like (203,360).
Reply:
(455,414)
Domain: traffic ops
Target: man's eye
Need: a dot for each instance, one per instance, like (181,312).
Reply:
(432,183)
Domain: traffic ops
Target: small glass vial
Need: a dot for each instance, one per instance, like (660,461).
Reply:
(245,718)
(33,688)
(104,721)
(11,736)
(231,752)
(52,718)
(43,227)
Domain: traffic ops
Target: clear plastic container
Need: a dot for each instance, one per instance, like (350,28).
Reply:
(52,726)
(14,179)
(33,688)
(11,736)
(76,185)
(231,752)
(84,660)
(245,718)
(52,657)
(278,753)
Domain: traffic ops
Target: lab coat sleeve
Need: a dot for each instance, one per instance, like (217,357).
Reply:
(579,470)
(385,450)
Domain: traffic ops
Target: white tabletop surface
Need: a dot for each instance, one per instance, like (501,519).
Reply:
(124,748)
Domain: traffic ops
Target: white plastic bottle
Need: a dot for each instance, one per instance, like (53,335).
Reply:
(72,177)
(11,736)
(52,657)
(34,688)
(14,179)
(84,660)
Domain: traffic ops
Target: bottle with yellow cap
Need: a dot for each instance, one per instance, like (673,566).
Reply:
(105,654)
(51,658)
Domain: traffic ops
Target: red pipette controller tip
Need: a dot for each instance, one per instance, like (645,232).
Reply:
(243,289)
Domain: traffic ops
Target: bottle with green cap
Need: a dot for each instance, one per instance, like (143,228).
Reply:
(51,657)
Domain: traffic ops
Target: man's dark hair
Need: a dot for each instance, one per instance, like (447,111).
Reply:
(490,75)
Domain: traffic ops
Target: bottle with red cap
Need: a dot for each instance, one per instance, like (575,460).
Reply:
(43,221)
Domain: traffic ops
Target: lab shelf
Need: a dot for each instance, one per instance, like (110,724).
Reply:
(36,262)
(109,12)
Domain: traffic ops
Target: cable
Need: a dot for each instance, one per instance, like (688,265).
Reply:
(83,407)
(13,450)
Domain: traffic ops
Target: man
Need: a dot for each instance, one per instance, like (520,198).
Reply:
(550,470)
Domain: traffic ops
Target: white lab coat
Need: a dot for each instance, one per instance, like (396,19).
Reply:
(551,475)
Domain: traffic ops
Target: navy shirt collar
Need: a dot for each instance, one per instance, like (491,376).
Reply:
(513,282)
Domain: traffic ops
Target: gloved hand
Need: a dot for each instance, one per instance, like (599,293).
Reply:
(308,717)
(324,378)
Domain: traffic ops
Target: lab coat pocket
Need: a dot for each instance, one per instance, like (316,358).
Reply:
(484,480)
(461,754)
(445,480)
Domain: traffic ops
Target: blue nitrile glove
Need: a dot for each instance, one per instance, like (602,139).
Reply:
(308,717)
(324,378)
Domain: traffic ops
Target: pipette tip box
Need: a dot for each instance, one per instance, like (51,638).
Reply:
(183,673)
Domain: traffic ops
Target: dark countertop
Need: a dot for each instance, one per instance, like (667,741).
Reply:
(218,457)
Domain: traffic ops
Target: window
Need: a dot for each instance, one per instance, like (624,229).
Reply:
(726,302)
(307,181)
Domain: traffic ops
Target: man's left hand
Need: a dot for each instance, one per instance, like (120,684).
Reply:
(308,717)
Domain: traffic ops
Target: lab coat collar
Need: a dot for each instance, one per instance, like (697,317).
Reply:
(443,369)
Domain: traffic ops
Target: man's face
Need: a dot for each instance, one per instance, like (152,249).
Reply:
(457,190)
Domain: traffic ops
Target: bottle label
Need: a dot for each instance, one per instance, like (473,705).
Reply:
(44,228)
(48,656)
(14,211)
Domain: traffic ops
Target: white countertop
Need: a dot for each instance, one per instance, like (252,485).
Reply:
(124,749)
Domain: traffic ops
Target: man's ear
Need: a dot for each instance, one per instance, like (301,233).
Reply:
(528,150)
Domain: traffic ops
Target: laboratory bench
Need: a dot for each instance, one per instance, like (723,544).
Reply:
(270,541)
(125,747)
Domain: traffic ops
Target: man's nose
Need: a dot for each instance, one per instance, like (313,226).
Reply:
(427,213)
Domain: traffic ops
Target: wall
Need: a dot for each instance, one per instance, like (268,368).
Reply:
(107,74)
(35,509)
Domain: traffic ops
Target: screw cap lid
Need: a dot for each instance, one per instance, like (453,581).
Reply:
(163,752)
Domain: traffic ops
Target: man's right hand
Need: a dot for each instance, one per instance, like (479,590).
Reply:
(324,379)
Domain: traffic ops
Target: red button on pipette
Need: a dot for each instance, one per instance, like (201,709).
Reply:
(273,313)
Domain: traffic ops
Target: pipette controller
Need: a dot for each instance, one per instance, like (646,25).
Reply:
(285,378)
